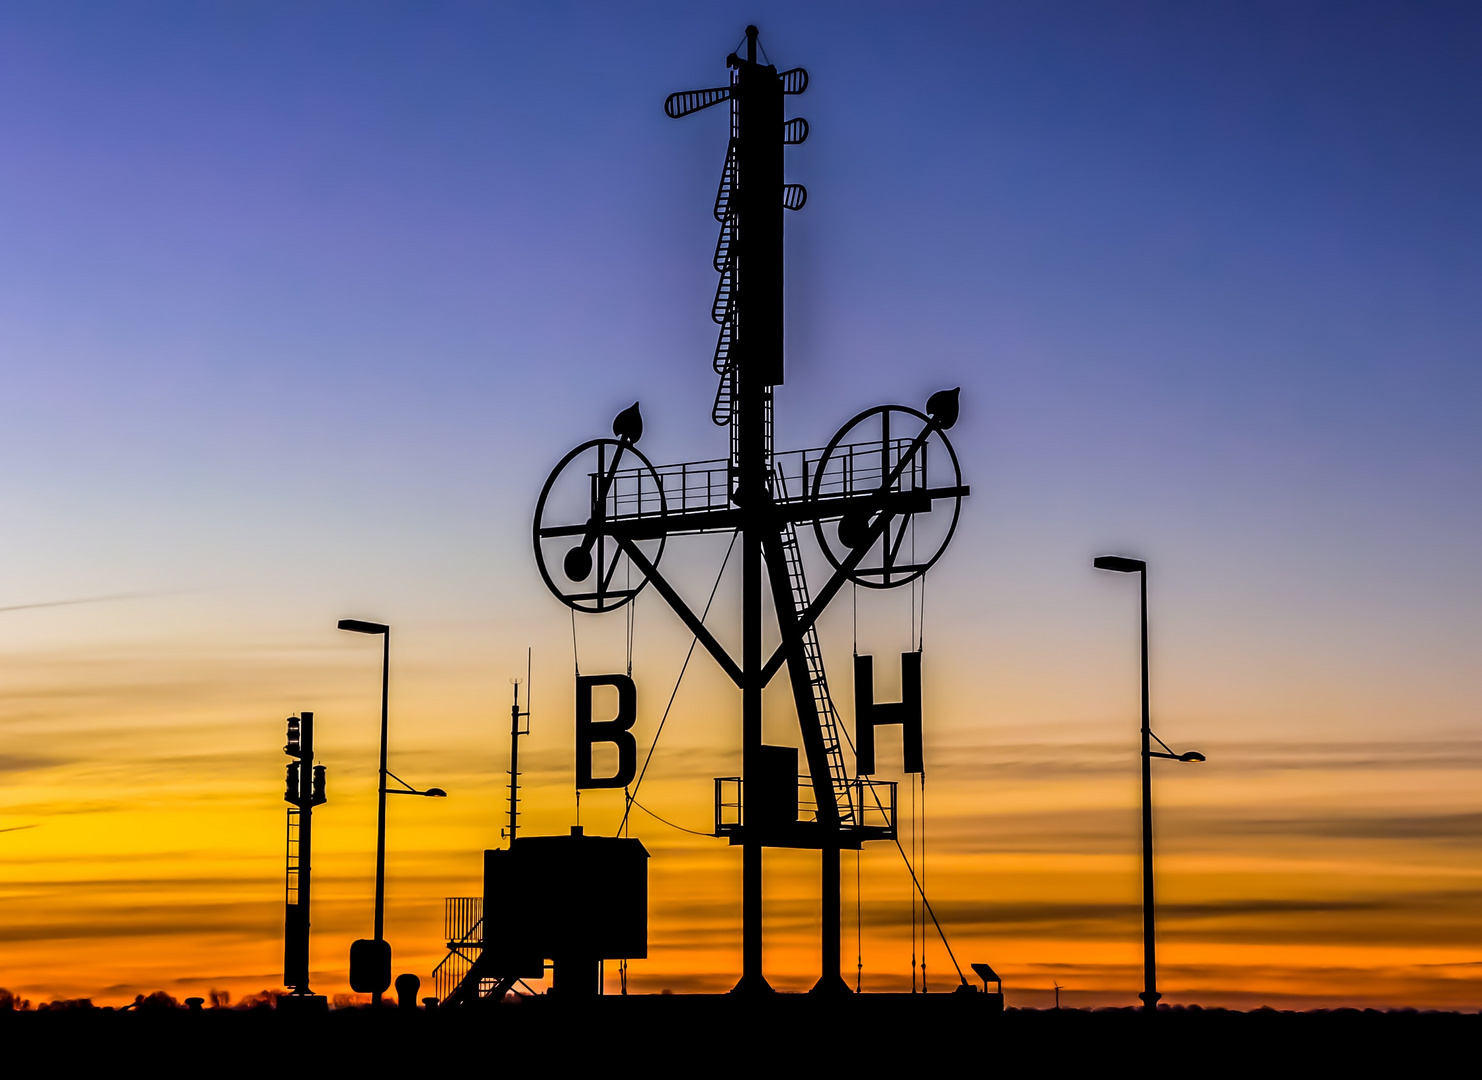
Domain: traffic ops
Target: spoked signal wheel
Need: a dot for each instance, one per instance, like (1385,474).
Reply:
(888,467)
(588,494)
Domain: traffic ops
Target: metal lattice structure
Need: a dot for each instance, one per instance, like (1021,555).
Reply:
(882,501)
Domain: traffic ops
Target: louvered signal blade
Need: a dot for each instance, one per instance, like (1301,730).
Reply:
(795,131)
(794,196)
(688,101)
(794,81)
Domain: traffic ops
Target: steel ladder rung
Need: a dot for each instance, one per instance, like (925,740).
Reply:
(817,676)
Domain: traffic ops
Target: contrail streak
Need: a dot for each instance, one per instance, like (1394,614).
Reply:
(82,600)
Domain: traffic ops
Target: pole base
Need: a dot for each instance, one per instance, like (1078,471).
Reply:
(1150,1000)
(753,986)
(831,986)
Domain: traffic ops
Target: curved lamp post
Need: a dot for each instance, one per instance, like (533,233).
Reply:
(1149,995)
(360,626)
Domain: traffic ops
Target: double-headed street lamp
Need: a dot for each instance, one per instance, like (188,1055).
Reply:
(370,961)
(1149,995)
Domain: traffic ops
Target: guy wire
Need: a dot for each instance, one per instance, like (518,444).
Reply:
(575,656)
(630,799)
(923,878)
(858,926)
(925,903)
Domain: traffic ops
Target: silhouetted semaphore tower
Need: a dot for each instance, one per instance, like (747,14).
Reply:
(606,513)
(303,790)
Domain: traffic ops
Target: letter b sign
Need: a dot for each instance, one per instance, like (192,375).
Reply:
(615,731)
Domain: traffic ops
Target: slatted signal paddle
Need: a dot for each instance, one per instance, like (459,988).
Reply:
(687,101)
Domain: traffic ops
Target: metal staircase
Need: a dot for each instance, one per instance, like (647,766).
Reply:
(828,716)
(463,923)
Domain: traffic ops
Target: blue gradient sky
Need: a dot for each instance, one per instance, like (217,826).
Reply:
(299,302)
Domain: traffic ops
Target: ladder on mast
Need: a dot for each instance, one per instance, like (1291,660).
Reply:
(291,889)
(828,715)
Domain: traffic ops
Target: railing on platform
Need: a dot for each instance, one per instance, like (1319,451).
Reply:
(727,805)
(463,925)
(463,918)
(853,469)
(869,803)
(871,806)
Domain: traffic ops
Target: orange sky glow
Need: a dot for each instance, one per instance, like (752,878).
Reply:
(1291,873)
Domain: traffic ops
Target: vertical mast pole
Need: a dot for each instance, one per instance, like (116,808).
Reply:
(381,804)
(305,840)
(1149,993)
(296,922)
(514,765)
(515,716)
(757,95)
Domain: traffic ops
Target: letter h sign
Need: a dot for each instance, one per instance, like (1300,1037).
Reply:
(870,714)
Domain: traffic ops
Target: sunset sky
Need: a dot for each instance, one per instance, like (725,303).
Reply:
(300,302)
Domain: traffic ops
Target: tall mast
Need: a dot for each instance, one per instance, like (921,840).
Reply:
(757,112)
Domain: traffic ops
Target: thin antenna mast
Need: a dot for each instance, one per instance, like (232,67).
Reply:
(515,716)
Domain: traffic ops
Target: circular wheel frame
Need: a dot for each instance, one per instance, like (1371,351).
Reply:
(601,596)
(837,551)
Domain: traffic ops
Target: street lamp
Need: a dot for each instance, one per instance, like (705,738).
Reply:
(1149,995)
(370,962)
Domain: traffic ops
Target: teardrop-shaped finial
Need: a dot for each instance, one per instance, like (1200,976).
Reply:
(629,425)
(942,407)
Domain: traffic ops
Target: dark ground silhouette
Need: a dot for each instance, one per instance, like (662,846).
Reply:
(721,1034)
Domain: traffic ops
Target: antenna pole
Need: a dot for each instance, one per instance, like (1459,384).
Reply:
(514,766)
(515,716)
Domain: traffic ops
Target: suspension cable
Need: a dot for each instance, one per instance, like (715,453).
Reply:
(918,588)
(912,867)
(919,890)
(666,821)
(575,653)
(858,925)
(923,878)
(576,665)
(630,616)
(921,622)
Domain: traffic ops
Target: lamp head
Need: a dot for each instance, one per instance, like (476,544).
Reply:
(1118,564)
(435,793)
(1192,755)
(360,626)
